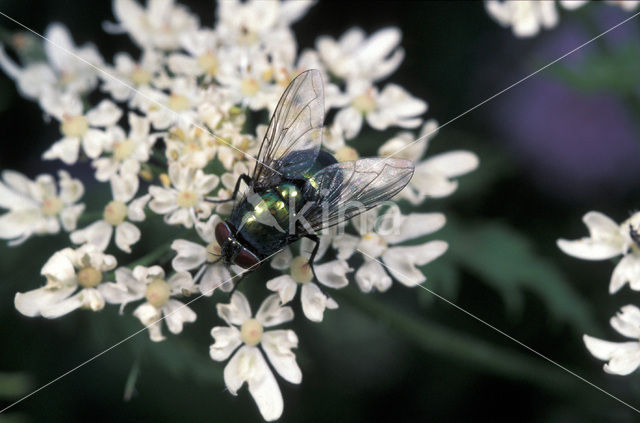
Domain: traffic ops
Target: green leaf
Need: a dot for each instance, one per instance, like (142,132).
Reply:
(504,259)
(602,71)
(14,385)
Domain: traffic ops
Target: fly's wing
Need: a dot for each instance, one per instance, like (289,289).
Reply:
(294,136)
(348,189)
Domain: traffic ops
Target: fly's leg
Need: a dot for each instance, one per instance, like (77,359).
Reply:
(244,177)
(312,257)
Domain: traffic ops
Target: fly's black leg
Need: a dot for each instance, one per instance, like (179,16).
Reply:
(315,239)
(244,177)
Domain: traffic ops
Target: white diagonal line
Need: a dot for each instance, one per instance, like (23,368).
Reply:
(130,336)
(184,118)
(504,333)
(513,85)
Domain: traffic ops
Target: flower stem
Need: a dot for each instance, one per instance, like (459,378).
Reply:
(454,345)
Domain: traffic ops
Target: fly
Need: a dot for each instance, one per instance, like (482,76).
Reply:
(297,189)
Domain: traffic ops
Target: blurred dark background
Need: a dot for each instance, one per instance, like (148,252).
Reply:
(562,143)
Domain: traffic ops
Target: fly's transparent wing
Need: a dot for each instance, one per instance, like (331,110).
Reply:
(348,189)
(294,136)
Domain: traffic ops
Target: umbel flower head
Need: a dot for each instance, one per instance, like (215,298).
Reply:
(170,132)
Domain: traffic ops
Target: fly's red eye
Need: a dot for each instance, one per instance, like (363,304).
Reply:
(246,259)
(223,233)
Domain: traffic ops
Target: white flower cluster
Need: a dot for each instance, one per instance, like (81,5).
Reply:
(527,17)
(608,240)
(170,135)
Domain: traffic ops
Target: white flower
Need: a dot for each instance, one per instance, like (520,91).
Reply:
(525,17)
(623,357)
(38,207)
(79,128)
(158,26)
(150,283)
(229,180)
(331,274)
(253,85)
(378,235)
(607,240)
(184,202)
(393,106)
(258,24)
(63,72)
(178,106)
(248,363)
(212,273)
(66,271)
(127,73)
(354,56)
(202,59)
(123,189)
(431,177)
(127,151)
(190,146)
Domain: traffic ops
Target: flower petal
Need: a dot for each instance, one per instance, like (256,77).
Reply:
(272,313)
(402,261)
(313,301)
(249,365)
(627,321)
(372,275)
(31,303)
(127,234)
(176,314)
(190,255)
(150,317)
(277,345)
(227,339)
(333,274)
(627,270)
(237,311)
(285,286)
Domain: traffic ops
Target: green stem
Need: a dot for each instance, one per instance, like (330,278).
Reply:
(152,256)
(453,345)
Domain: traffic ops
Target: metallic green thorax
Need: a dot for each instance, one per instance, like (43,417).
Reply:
(263,222)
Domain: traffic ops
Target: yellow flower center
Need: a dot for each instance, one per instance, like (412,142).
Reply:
(123,149)
(346,153)
(164,180)
(88,277)
(140,76)
(74,126)
(249,87)
(178,102)
(213,251)
(251,332)
(187,199)
(208,63)
(301,270)
(158,293)
(115,213)
(373,244)
(364,103)
(51,206)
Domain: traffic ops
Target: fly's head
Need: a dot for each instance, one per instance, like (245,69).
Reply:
(232,251)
